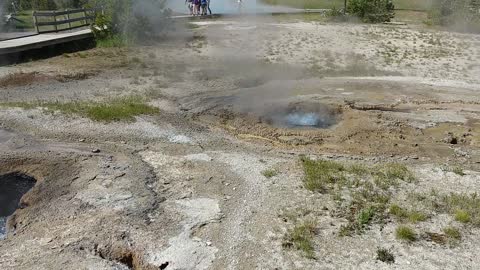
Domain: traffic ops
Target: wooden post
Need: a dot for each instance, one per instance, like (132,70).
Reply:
(55,20)
(85,16)
(68,18)
(35,21)
(345,7)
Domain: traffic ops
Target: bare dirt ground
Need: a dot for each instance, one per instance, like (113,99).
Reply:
(212,181)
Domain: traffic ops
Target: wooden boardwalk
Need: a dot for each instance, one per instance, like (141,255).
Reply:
(43,40)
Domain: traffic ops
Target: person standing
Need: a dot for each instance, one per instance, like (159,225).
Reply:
(208,7)
(203,4)
(189,4)
(196,7)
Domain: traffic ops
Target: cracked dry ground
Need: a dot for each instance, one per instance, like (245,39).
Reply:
(208,183)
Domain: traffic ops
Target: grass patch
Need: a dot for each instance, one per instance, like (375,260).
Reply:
(462,216)
(366,191)
(365,216)
(359,169)
(269,173)
(385,255)
(115,41)
(452,233)
(403,214)
(321,174)
(300,237)
(396,171)
(405,233)
(458,171)
(119,109)
(464,207)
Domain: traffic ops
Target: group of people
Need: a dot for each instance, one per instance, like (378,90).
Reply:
(199,7)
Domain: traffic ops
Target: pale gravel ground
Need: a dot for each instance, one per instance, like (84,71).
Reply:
(219,211)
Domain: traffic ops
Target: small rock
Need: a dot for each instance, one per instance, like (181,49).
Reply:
(209,243)
(81,140)
(450,138)
(96,150)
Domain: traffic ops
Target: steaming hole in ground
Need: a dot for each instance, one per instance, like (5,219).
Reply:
(12,188)
(302,116)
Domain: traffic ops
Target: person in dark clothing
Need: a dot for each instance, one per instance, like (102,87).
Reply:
(208,7)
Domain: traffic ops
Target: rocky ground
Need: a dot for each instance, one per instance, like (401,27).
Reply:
(213,181)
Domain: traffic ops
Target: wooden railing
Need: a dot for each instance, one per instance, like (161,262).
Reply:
(55,21)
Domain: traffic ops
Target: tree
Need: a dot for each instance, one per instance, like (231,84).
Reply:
(372,10)
(459,14)
(132,20)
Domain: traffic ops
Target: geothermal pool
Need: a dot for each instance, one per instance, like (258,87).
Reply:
(12,187)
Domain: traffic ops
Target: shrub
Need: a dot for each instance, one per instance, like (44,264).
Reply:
(462,216)
(372,10)
(385,255)
(461,15)
(405,233)
(300,237)
(132,20)
(269,173)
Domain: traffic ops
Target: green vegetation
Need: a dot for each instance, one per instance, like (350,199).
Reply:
(300,237)
(119,109)
(339,4)
(269,173)
(368,190)
(405,233)
(458,171)
(405,215)
(111,42)
(396,171)
(309,4)
(385,255)
(465,208)
(320,174)
(452,233)
(366,216)
(120,24)
(460,15)
(371,10)
(462,216)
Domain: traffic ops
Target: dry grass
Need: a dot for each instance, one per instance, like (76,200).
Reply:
(407,215)
(269,173)
(301,238)
(405,233)
(22,79)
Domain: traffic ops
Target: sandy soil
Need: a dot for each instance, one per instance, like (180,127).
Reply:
(186,188)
